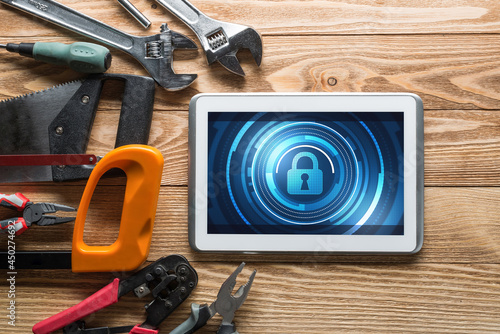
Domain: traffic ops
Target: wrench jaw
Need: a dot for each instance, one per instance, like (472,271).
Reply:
(157,57)
(223,45)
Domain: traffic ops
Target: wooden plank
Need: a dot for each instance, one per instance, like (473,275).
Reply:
(293,17)
(461,148)
(297,297)
(461,226)
(447,71)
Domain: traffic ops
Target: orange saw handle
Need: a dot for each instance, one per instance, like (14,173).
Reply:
(143,166)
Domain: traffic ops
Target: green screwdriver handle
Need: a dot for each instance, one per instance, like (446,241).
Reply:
(80,56)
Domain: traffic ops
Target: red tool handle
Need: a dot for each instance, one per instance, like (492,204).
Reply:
(19,225)
(99,300)
(16,201)
(140,330)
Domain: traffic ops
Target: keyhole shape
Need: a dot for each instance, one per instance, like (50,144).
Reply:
(304,178)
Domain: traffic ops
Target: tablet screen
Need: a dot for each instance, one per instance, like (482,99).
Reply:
(326,173)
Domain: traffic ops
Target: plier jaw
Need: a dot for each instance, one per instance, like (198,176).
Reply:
(36,214)
(31,213)
(226,305)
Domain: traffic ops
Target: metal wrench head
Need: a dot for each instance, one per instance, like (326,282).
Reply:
(156,55)
(223,44)
(226,303)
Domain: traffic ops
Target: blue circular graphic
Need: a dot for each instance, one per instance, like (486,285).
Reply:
(272,172)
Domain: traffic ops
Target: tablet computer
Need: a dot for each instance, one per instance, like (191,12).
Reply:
(306,172)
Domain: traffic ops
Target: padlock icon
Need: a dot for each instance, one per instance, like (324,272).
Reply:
(305,181)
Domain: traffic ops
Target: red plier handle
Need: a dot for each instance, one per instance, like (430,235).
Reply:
(99,300)
(15,201)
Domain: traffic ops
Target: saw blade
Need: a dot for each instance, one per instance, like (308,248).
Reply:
(24,128)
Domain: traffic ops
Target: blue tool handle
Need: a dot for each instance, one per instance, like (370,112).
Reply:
(81,57)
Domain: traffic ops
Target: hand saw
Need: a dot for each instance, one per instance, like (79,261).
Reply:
(59,121)
(143,166)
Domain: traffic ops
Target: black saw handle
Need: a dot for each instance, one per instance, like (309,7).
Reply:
(77,117)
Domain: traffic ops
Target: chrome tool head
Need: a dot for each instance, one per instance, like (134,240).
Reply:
(156,55)
(227,303)
(223,44)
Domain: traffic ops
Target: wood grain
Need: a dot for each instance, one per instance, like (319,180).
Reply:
(300,298)
(445,51)
(295,17)
(448,71)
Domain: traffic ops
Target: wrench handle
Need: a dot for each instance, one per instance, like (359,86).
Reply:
(184,10)
(196,20)
(66,17)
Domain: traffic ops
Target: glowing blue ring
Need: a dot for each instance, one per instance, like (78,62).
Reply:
(294,124)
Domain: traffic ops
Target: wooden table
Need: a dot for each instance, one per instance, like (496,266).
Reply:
(445,51)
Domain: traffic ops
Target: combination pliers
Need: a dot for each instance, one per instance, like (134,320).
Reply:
(226,305)
(31,213)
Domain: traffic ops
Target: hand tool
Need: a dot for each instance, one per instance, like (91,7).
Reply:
(143,20)
(32,213)
(81,57)
(155,52)
(169,280)
(48,160)
(143,166)
(226,305)
(220,40)
(59,121)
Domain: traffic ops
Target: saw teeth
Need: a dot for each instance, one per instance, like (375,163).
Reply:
(20,97)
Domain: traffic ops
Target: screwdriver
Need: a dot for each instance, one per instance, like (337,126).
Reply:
(80,56)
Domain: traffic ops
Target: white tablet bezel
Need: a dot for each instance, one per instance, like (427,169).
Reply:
(410,104)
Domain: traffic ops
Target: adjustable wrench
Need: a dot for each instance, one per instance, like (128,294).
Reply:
(220,40)
(155,52)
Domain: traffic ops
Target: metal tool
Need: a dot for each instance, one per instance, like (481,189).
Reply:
(81,57)
(31,213)
(220,40)
(155,52)
(59,121)
(48,160)
(143,166)
(226,305)
(143,20)
(169,280)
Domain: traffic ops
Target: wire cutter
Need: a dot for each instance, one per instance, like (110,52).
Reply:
(31,213)
(226,305)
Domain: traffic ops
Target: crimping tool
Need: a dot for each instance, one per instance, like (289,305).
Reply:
(31,213)
(169,280)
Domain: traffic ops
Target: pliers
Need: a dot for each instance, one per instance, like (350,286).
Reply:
(226,305)
(31,213)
